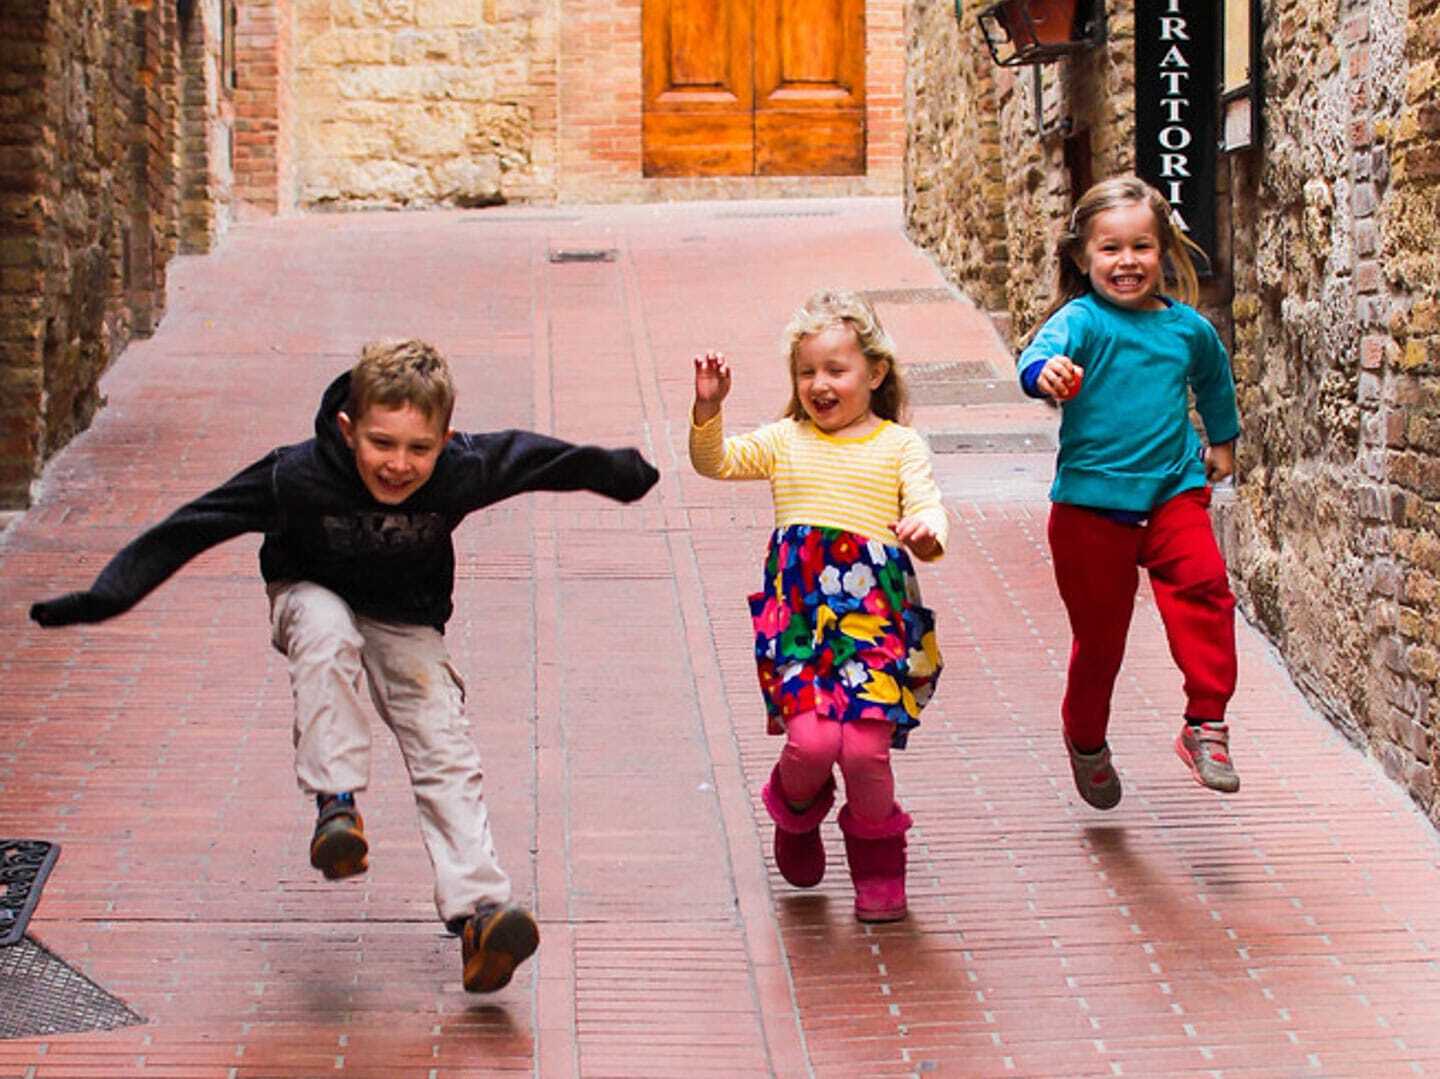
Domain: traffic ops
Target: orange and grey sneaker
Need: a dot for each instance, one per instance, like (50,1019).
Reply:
(493,942)
(1205,749)
(338,848)
(1095,777)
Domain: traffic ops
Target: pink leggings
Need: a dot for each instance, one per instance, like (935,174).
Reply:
(815,744)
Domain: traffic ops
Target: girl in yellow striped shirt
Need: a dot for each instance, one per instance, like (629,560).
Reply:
(845,649)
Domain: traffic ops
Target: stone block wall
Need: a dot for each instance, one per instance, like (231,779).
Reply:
(1337,311)
(955,182)
(987,176)
(87,213)
(422,102)
(1328,293)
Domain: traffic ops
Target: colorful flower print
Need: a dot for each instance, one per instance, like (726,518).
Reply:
(840,629)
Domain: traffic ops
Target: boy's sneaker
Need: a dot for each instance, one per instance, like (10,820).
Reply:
(1205,749)
(494,941)
(1095,777)
(338,848)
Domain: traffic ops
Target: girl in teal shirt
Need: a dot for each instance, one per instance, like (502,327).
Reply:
(1132,476)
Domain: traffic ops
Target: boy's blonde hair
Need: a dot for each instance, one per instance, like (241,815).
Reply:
(399,373)
(890,400)
(1072,282)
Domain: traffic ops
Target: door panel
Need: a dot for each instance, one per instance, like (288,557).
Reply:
(699,88)
(810,34)
(809,87)
(753,87)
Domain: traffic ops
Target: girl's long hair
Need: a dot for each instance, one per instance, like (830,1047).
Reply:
(831,307)
(1072,282)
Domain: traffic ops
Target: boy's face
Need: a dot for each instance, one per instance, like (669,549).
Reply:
(395,449)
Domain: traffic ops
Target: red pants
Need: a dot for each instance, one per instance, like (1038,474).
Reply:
(1096,562)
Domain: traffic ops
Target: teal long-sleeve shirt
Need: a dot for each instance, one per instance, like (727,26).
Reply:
(1126,440)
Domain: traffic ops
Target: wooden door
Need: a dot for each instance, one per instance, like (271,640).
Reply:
(754,87)
(809,87)
(699,87)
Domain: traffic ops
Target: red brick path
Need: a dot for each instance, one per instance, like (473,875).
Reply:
(1290,930)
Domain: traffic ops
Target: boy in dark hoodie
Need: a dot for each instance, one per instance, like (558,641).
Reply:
(359,567)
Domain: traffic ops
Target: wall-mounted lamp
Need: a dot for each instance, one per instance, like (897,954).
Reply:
(1040,31)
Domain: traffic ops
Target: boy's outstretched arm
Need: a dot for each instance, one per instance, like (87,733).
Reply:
(245,503)
(505,463)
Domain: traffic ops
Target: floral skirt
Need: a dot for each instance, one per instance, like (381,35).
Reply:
(840,631)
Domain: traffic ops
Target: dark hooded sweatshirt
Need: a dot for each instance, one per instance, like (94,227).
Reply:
(321,524)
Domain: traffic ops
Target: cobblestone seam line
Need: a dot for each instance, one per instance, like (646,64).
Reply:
(769,966)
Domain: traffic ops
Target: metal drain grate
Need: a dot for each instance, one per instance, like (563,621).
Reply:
(755,215)
(40,994)
(582,254)
(948,371)
(24,865)
(908,295)
(507,219)
(989,442)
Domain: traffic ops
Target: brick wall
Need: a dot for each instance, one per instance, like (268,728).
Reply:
(87,217)
(599,140)
(263,176)
(207,113)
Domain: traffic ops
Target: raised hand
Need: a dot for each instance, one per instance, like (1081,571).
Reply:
(712,384)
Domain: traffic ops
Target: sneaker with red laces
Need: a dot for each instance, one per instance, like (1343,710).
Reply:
(1095,777)
(1205,749)
(493,942)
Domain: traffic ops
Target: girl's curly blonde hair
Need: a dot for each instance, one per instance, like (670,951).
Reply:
(835,307)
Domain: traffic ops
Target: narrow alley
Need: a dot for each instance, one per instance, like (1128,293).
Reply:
(1292,929)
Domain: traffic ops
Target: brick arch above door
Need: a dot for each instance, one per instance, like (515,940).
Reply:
(754,87)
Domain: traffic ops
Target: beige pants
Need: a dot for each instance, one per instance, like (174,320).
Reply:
(419,694)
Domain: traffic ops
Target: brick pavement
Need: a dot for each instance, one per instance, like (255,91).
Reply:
(1290,930)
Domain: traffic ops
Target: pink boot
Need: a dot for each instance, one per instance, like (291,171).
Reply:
(799,851)
(876,853)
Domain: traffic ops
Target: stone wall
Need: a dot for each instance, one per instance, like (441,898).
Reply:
(87,213)
(412,103)
(1334,539)
(421,102)
(1328,291)
(955,185)
(987,176)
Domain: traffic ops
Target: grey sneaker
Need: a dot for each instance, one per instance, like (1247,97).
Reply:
(1205,749)
(1095,777)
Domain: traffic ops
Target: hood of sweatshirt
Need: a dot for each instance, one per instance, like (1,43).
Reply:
(330,444)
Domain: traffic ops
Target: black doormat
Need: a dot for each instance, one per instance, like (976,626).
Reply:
(42,995)
(24,865)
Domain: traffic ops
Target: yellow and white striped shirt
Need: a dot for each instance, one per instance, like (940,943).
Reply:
(862,484)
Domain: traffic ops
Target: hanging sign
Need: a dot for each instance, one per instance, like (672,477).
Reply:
(1176,42)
